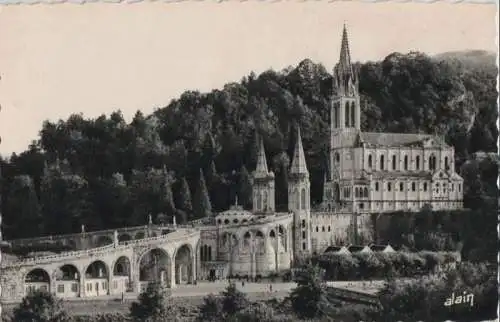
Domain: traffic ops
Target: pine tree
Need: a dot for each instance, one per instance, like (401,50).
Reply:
(202,206)
(245,189)
(185,203)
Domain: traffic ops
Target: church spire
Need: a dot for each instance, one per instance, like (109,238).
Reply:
(345,54)
(299,161)
(261,159)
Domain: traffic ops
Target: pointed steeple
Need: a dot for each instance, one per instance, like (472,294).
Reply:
(345,54)
(261,159)
(299,165)
(345,79)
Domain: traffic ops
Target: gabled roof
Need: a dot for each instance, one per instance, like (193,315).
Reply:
(375,139)
(381,248)
(358,249)
(336,249)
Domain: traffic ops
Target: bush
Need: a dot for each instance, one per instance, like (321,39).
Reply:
(378,265)
(41,307)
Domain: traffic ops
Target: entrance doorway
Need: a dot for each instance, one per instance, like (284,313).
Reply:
(211,277)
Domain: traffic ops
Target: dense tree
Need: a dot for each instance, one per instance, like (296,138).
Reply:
(22,202)
(451,96)
(41,307)
(309,299)
(153,306)
(202,207)
(245,189)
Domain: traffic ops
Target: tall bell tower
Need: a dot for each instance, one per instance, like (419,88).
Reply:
(263,184)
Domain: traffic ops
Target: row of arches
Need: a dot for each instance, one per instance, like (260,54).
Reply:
(432,162)
(154,266)
(107,240)
(254,241)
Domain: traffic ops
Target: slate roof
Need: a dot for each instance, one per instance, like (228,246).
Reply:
(355,248)
(376,139)
(401,175)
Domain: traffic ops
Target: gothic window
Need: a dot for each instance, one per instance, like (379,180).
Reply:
(259,201)
(406,162)
(425,186)
(389,186)
(337,115)
(459,187)
(323,228)
(303,235)
(370,161)
(336,189)
(382,162)
(297,199)
(446,164)
(376,186)
(265,201)
(303,246)
(417,162)
(352,114)
(413,186)
(366,192)
(432,163)
(329,229)
(346,121)
(317,229)
(303,198)
(401,186)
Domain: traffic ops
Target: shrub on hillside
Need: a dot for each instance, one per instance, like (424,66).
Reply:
(378,265)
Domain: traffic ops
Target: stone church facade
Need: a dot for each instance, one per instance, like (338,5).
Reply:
(367,173)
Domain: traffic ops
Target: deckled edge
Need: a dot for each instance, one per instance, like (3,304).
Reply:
(30,2)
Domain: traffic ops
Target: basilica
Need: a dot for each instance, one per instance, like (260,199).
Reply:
(367,173)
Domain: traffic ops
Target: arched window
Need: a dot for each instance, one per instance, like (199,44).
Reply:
(352,115)
(303,198)
(376,186)
(259,201)
(337,115)
(370,161)
(406,162)
(382,162)
(323,228)
(346,121)
(446,164)
(329,228)
(413,187)
(265,201)
(389,186)
(317,228)
(432,163)
(401,186)
(297,199)
(336,190)
(366,192)
(337,157)
(425,186)
(394,162)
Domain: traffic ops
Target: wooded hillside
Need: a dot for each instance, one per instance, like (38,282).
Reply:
(192,156)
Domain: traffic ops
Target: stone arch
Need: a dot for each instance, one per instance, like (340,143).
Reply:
(67,272)
(140,235)
(122,266)
(96,269)
(154,266)
(124,238)
(37,279)
(184,264)
(104,241)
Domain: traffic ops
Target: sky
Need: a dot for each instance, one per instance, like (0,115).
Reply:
(57,60)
